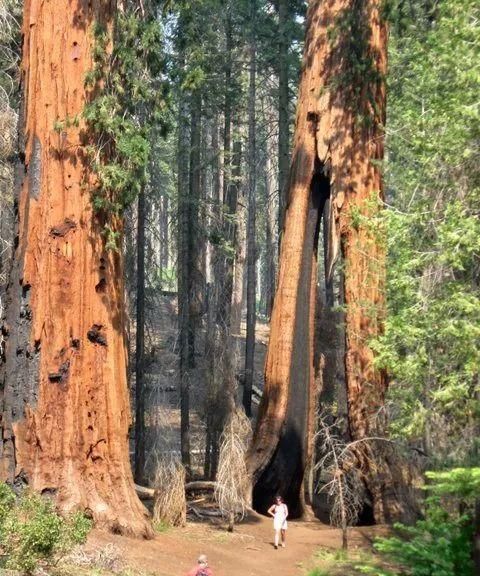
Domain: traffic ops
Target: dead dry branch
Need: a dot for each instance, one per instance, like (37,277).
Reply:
(170,503)
(232,486)
(343,484)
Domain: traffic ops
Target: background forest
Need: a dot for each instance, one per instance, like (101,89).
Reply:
(191,132)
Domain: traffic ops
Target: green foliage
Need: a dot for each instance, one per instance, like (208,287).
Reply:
(330,562)
(7,502)
(130,103)
(440,544)
(161,527)
(431,343)
(436,546)
(164,279)
(375,570)
(31,531)
(317,572)
(463,483)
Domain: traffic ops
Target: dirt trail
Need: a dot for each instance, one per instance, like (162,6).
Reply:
(246,552)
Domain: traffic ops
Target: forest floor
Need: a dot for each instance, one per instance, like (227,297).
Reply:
(311,548)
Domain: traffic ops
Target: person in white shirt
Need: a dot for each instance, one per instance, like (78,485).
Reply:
(279,513)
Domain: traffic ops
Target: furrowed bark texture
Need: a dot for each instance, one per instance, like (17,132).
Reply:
(65,413)
(338,144)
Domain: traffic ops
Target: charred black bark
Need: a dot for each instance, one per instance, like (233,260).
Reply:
(20,375)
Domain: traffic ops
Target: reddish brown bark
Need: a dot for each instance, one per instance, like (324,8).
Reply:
(338,144)
(66,412)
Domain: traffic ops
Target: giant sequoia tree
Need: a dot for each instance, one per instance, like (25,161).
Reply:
(65,407)
(337,149)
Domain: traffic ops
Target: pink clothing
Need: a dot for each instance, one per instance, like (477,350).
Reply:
(200,571)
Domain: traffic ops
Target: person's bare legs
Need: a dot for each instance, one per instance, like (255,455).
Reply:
(284,537)
(277,537)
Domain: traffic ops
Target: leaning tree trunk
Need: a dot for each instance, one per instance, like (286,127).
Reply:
(65,405)
(338,146)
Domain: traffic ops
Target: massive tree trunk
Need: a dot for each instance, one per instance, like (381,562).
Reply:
(65,413)
(338,145)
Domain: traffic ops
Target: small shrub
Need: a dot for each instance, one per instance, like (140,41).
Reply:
(441,544)
(32,531)
(318,572)
(437,546)
(7,501)
(160,526)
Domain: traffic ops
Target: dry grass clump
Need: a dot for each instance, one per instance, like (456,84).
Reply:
(108,557)
(233,485)
(170,503)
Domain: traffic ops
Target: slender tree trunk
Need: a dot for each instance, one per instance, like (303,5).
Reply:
(195,232)
(239,243)
(66,413)
(270,244)
(220,367)
(338,144)
(217,332)
(140,345)
(227,130)
(184,319)
(164,237)
(251,246)
(283,110)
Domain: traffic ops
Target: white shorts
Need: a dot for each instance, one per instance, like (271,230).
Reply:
(279,524)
